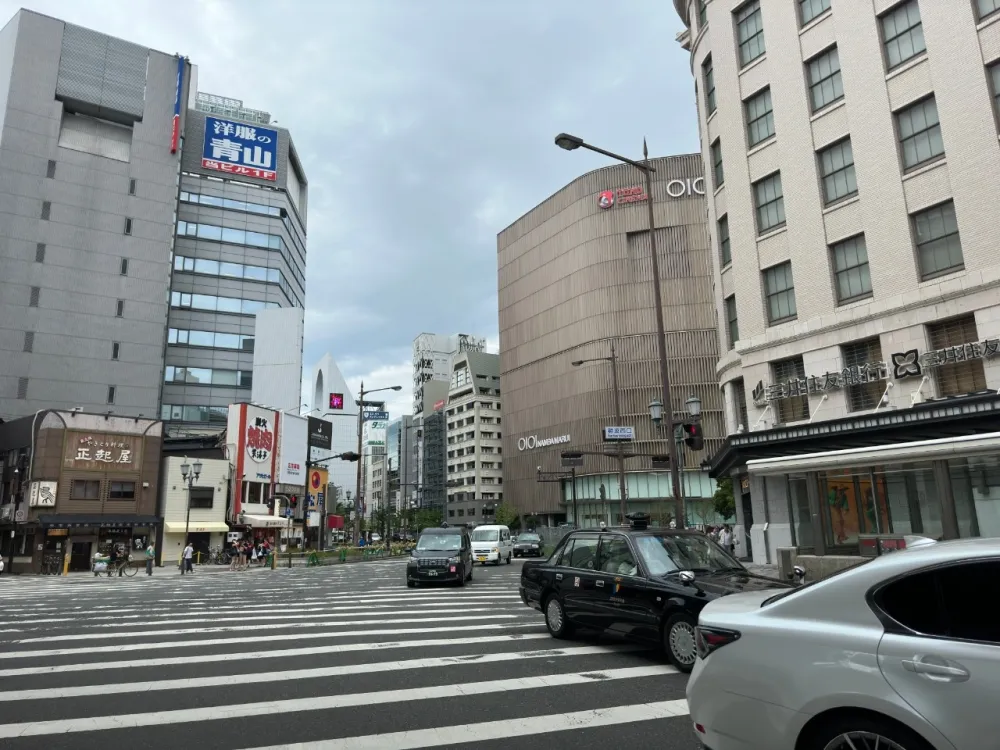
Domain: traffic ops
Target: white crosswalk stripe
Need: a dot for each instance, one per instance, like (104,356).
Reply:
(337,658)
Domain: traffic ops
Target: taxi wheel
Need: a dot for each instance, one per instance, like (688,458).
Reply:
(678,640)
(555,618)
(411,584)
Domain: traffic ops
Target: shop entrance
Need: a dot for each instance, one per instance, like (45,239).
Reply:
(201,542)
(79,559)
(747,525)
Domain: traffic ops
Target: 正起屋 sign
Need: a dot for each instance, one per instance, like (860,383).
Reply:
(533,441)
(902,365)
(240,149)
(685,188)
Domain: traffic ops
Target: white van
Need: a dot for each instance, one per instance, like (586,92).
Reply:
(492,544)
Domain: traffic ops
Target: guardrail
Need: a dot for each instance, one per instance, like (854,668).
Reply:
(337,556)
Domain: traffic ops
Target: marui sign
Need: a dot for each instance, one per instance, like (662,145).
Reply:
(685,188)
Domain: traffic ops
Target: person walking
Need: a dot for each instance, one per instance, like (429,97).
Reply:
(150,558)
(188,559)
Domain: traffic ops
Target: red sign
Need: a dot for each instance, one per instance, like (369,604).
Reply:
(335,522)
(260,439)
(438,404)
(315,480)
(336,400)
(608,198)
(239,169)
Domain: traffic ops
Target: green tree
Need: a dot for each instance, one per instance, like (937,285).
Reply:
(723,500)
(505,514)
(427,518)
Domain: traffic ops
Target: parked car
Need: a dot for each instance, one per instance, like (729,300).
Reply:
(441,555)
(493,544)
(900,653)
(528,545)
(648,584)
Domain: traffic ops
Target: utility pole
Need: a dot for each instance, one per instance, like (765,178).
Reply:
(357,492)
(623,509)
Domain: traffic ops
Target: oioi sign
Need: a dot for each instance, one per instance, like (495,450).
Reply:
(686,188)
(533,441)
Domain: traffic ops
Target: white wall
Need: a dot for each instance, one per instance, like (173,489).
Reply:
(173,496)
(277,358)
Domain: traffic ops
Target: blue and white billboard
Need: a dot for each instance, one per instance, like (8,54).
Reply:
(240,149)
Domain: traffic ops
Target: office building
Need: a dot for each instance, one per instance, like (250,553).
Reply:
(575,278)
(432,434)
(474,432)
(333,402)
(90,174)
(401,472)
(854,161)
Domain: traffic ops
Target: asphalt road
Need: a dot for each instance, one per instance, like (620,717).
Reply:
(334,658)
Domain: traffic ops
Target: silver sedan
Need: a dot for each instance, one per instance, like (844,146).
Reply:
(900,653)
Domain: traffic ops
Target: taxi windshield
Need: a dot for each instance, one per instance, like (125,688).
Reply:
(485,535)
(670,553)
(439,542)
(529,538)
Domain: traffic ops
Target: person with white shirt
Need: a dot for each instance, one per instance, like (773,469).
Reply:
(188,561)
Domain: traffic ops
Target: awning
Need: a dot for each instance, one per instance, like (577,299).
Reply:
(264,522)
(174,527)
(71,521)
(879,455)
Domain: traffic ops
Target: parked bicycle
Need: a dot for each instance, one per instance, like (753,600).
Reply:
(52,564)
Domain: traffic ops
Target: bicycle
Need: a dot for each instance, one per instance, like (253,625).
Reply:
(125,566)
(52,565)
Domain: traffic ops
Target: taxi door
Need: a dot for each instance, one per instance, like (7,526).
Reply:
(576,578)
(626,599)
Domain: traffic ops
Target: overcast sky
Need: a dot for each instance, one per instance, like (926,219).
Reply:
(425,127)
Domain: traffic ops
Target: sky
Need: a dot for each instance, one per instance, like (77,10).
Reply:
(424,127)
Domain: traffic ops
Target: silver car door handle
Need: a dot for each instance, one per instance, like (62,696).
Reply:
(600,584)
(558,576)
(919,666)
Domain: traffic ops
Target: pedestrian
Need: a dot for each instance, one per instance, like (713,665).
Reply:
(1,566)
(188,555)
(726,539)
(150,558)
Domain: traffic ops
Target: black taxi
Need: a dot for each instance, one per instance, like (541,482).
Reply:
(442,555)
(644,583)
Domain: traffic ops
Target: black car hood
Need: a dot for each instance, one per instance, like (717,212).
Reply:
(421,554)
(720,584)
(527,544)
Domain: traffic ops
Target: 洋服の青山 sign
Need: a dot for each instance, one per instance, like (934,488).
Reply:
(902,365)
(240,149)
(533,441)
(675,189)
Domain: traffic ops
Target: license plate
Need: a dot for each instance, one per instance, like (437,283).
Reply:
(432,572)
(481,558)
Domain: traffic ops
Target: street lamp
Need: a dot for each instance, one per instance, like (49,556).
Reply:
(190,474)
(361,417)
(571,143)
(656,411)
(693,405)
(613,359)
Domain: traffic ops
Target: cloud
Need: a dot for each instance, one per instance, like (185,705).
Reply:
(424,129)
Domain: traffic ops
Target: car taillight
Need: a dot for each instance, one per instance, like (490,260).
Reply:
(708,640)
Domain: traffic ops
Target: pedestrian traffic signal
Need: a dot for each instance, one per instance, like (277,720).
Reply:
(693,438)
(270,503)
(293,501)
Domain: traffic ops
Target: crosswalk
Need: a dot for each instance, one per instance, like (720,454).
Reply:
(344,657)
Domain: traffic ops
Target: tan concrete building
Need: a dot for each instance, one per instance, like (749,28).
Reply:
(854,166)
(575,277)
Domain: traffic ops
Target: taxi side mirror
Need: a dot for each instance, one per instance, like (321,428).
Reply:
(686,577)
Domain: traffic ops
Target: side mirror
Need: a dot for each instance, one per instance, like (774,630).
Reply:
(799,573)
(686,577)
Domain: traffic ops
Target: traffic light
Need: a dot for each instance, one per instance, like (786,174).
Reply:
(270,503)
(693,438)
(349,456)
(293,501)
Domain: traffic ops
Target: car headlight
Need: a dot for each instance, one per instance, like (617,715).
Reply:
(412,562)
(454,560)
(534,546)
(495,549)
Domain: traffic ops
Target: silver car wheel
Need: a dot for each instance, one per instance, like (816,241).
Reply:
(862,741)
(682,644)
(554,615)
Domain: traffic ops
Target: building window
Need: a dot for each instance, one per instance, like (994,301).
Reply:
(29,341)
(33,296)
(85,489)
(826,85)
(22,388)
(810,9)
(902,34)
(116,349)
(208,376)
(740,394)
(122,491)
(211,303)
(709,75)
(120,308)
(760,117)
(40,252)
(128,226)
(994,70)
(850,269)
(987,8)
(202,498)
(111,394)
(939,248)
(794,408)
(862,396)
(779,291)
(919,133)
(193,413)
(702,14)
(957,378)
(836,166)
(769,201)
(227,270)
(131,187)
(750,32)
(46,210)
(50,170)
(213,339)
(718,175)
(732,321)
(724,252)
(124,267)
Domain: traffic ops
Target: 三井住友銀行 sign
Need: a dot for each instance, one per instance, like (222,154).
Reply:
(240,149)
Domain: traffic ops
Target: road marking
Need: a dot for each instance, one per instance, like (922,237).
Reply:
(340,648)
(496,730)
(307,674)
(270,638)
(320,703)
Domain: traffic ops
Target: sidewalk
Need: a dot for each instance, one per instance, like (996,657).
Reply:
(771,571)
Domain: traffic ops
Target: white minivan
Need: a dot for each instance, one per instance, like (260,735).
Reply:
(492,544)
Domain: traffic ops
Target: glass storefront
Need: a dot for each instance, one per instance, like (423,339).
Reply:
(975,483)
